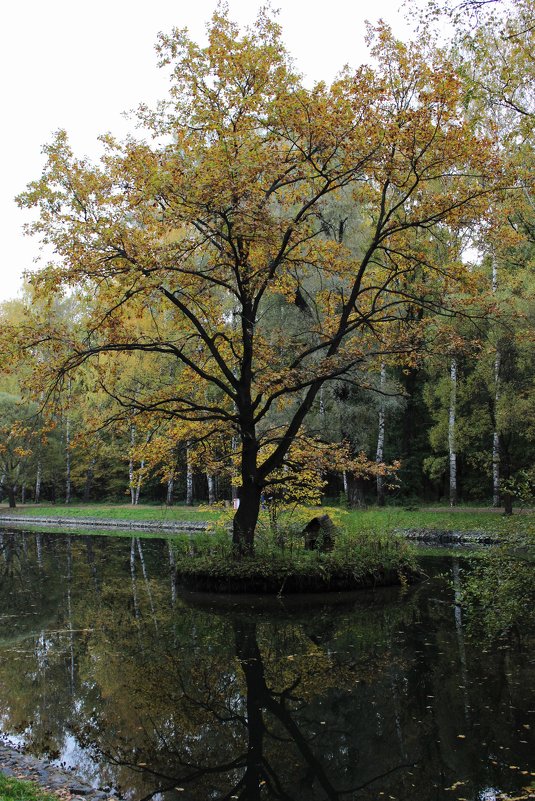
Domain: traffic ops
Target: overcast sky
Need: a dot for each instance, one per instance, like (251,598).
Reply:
(78,66)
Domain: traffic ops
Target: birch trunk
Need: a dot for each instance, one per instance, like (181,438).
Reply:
(211,488)
(496,500)
(68,446)
(38,479)
(131,465)
(39,469)
(170,490)
(379,456)
(189,479)
(451,433)
(138,485)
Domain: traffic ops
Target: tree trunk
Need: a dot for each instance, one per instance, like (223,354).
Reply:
(245,519)
(131,465)
(211,488)
(68,448)
(506,495)
(250,492)
(495,434)
(67,462)
(233,487)
(189,479)
(379,456)
(23,494)
(89,481)
(38,480)
(356,493)
(138,485)
(170,490)
(496,469)
(11,493)
(451,433)
(140,474)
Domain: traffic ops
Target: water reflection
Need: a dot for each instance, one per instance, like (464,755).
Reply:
(104,667)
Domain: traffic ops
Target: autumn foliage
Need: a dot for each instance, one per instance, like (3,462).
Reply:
(209,249)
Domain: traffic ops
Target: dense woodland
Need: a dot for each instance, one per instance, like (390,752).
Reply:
(289,293)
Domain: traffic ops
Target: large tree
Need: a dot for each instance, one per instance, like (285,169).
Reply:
(211,231)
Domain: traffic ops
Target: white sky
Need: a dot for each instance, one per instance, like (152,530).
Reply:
(78,66)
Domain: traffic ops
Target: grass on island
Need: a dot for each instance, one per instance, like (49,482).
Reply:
(19,790)
(281,563)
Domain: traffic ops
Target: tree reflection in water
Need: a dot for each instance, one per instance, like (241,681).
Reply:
(103,665)
(240,724)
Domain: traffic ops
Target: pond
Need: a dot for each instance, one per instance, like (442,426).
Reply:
(107,669)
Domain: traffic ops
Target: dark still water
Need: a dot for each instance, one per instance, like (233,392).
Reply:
(104,667)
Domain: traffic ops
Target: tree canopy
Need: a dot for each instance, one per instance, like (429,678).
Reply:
(264,238)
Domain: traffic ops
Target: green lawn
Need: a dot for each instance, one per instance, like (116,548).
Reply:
(370,520)
(462,519)
(113,512)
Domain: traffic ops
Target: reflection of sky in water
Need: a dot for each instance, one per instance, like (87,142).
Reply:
(17,741)
(331,695)
(73,756)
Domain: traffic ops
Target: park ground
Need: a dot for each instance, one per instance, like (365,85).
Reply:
(369,520)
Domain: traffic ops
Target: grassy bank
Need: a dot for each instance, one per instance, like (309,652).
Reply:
(365,552)
(18,790)
(392,519)
(102,511)
(372,520)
